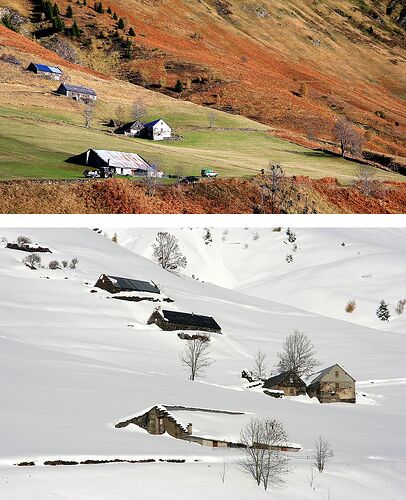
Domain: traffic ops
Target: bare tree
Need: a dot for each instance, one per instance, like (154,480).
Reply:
(195,357)
(211,118)
(322,453)
(167,253)
(349,139)
(33,261)
(23,241)
(73,263)
(298,355)
(87,114)
(259,365)
(400,306)
(54,264)
(179,171)
(150,183)
(262,459)
(366,182)
(139,110)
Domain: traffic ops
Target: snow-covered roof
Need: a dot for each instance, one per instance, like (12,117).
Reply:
(120,159)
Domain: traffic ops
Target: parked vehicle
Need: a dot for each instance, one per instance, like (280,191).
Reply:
(102,172)
(191,179)
(92,174)
(208,172)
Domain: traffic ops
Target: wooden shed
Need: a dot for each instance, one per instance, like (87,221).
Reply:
(174,320)
(288,382)
(332,385)
(131,129)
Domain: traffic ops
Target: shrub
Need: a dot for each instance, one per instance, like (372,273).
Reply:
(114,238)
(131,31)
(54,264)
(400,306)
(179,87)
(120,24)
(74,262)
(350,307)
(33,261)
(64,263)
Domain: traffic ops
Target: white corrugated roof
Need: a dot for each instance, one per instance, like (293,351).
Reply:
(119,159)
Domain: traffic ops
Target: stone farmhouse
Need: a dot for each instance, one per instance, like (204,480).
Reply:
(116,284)
(174,320)
(288,382)
(332,385)
(52,72)
(76,92)
(207,427)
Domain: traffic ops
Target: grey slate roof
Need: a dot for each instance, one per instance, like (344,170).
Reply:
(190,319)
(77,88)
(272,381)
(135,285)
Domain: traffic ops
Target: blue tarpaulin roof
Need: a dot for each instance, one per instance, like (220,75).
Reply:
(48,69)
(151,124)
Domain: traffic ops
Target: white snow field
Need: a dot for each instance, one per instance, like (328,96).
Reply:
(74,363)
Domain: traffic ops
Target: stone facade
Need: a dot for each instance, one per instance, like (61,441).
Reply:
(332,385)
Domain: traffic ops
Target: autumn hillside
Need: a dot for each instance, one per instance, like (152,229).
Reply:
(295,65)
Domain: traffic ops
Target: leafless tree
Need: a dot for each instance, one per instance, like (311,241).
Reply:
(262,459)
(349,139)
(73,263)
(366,182)
(322,453)
(223,472)
(179,171)
(139,110)
(259,365)
(33,261)
(150,183)
(23,241)
(298,355)
(167,253)
(87,113)
(211,118)
(400,306)
(54,264)
(195,357)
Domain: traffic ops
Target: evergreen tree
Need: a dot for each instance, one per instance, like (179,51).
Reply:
(84,2)
(115,16)
(383,311)
(179,86)
(58,24)
(55,10)
(47,9)
(131,32)
(109,10)
(69,11)
(100,8)
(75,31)
(120,24)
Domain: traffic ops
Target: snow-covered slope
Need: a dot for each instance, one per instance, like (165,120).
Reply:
(330,266)
(73,363)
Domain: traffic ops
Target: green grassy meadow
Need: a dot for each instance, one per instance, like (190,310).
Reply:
(35,142)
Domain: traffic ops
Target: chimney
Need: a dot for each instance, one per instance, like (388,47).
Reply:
(189,429)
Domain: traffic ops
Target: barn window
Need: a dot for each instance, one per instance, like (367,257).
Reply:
(337,385)
(161,428)
(337,373)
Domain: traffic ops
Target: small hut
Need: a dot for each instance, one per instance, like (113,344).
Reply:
(288,382)
(174,320)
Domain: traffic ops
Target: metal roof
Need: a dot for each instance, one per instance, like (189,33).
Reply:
(190,319)
(48,69)
(118,159)
(77,88)
(135,285)
(151,124)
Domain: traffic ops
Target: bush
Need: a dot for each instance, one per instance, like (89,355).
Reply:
(64,263)
(54,264)
(350,307)
(33,261)
(400,306)
(120,24)
(74,262)
(179,87)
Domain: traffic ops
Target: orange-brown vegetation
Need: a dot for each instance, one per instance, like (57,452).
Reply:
(122,196)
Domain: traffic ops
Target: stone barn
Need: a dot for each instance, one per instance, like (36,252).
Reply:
(52,72)
(116,284)
(174,320)
(117,162)
(288,382)
(76,92)
(158,130)
(131,129)
(204,426)
(332,385)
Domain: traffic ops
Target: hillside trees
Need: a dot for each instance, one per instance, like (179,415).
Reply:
(166,252)
(349,139)
(298,355)
(33,261)
(195,357)
(265,464)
